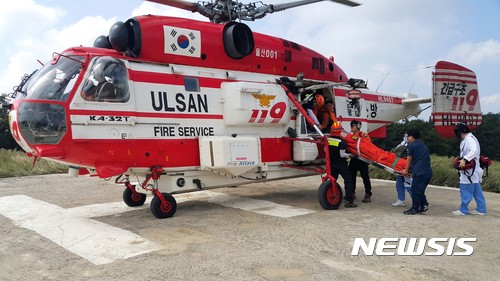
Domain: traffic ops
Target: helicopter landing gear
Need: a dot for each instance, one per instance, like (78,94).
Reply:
(330,197)
(131,197)
(163,205)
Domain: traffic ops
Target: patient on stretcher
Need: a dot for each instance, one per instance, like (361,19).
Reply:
(364,148)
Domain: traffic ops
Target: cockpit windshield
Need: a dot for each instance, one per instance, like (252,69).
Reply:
(107,82)
(54,81)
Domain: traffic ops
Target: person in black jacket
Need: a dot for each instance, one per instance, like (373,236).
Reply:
(338,160)
(356,164)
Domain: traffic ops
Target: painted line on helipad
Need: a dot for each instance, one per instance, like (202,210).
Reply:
(95,241)
(100,243)
(248,204)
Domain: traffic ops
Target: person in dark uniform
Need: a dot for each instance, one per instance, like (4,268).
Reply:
(356,165)
(338,160)
(419,161)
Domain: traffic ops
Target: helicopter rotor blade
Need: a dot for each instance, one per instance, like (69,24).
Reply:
(227,10)
(284,6)
(181,4)
(188,6)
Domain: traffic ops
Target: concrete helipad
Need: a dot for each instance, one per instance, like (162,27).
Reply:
(59,228)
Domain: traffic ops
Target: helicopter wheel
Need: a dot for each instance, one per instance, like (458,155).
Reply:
(162,211)
(133,199)
(330,197)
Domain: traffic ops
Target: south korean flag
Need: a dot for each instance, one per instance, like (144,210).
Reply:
(182,42)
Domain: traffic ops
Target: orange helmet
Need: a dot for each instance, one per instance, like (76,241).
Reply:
(336,129)
(320,100)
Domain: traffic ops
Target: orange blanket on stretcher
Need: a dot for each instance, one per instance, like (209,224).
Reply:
(372,152)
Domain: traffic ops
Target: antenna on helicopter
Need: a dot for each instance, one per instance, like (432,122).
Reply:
(381,82)
(221,11)
(413,84)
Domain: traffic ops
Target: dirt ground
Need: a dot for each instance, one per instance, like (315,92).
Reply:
(213,237)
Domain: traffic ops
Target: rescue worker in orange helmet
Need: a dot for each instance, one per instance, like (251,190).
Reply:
(312,108)
(326,116)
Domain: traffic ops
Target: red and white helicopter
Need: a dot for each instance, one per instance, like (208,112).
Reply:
(169,105)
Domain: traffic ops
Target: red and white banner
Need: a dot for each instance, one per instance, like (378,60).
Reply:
(455,98)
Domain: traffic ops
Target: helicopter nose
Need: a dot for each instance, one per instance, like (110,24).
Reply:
(39,122)
(14,128)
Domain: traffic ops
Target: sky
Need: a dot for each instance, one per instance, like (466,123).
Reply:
(392,44)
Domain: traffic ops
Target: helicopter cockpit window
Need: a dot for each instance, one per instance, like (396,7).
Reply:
(53,81)
(108,82)
(191,84)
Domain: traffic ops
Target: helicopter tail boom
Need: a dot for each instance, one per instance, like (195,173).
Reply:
(455,98)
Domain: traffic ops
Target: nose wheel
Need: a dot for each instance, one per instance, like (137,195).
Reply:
(330,197)
(163,205)
(133,199)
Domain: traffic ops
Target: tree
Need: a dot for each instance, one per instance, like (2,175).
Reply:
(6,140)
(435,143)
(487,134)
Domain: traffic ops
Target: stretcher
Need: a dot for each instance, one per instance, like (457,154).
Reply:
(365,150)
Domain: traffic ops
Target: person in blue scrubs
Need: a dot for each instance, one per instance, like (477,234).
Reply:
(418,162)
(402,183)
(470,179)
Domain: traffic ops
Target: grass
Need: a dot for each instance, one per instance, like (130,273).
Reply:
(16,164)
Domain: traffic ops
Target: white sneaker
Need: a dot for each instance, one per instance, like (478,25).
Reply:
(474,212)
(458,213)
(399,203)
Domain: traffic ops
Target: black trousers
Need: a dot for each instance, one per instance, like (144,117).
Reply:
(418,186)
(356,165)
(343,170)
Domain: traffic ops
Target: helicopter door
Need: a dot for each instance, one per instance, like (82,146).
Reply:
(103,107)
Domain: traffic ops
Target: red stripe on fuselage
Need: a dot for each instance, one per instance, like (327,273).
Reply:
(146,114)
(171,79)
(167,153)
(382,98)
(369,121)
(371,97)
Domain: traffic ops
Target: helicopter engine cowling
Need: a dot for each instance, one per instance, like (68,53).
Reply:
(123,37)
(232,46)
(238,40)
(102,42)
(118,36)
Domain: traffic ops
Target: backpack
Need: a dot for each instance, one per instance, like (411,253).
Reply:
(484,163)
